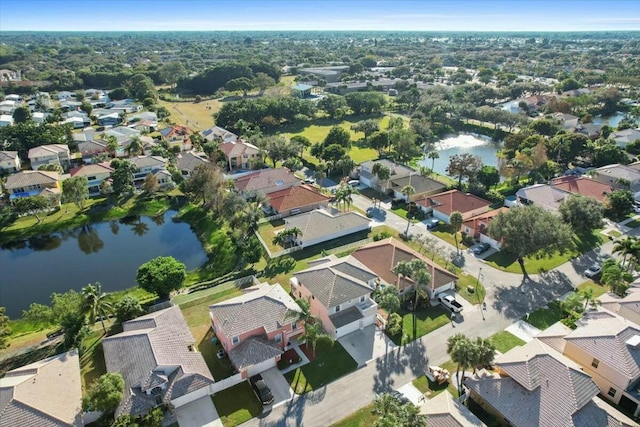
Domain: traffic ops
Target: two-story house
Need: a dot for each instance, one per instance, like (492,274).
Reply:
(146,165)
(9,162)
(240,155)
(423,187)
(442,205)
(619,177)
(627,306)
(255,328)
(187,162)
(478,226)
(217,133)
(368,178)
(34,183)
(95,174)
(177,136)
(266,181)
(51,154)
(339,290)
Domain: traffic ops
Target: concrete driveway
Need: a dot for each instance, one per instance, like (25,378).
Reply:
(413,394)
(279,386)
(367,344)
(198,413)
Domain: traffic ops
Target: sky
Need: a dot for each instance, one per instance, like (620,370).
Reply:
(336,15)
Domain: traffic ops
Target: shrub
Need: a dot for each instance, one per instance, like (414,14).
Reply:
(381,236)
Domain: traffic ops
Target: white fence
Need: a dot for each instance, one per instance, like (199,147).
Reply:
(225,383)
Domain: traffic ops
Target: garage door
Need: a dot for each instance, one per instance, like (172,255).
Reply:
(346,329)
(261,367)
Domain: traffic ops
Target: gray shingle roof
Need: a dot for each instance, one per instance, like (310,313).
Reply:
(264,306)
(444,411)
(8,155)
(155,343)
(144,161)
(188,161)
(319,223)
(331,286)
(252,351)
(344,317)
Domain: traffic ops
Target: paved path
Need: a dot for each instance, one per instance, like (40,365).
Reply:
(508,299)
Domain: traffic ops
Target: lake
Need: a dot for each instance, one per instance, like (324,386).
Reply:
(109,253)
(478,145)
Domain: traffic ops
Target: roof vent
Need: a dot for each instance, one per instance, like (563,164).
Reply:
(634,341)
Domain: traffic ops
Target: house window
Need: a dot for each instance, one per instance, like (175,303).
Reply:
(595,363)
(362,298)
(294,326)
(235,340)
(279,338)
(337,308)
(612,392)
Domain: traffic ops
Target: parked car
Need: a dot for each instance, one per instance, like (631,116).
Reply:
(432,224)
(309,180)
(261,389)
(401,397)
(354,182)
(481,248)
(593,271)
(451,303)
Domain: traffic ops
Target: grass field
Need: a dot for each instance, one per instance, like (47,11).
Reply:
(191,114)
(363,417)
(544,317)
(427,320)
(505,341)
(598,290)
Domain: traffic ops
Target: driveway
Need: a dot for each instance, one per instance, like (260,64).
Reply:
(413,394)
(198,413)
(279,386)
(367,344)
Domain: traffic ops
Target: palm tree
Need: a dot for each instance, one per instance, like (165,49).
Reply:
(112,145)
(462,352)
(135,146)
(587,294)
(408,191)
(455,219)
(320,173)
(94,302)
(311,334)
(294,233)
(484,352)
(402,269)
(433,155)
(626,247)
(383,173)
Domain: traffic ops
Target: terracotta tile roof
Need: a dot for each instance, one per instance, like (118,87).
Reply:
(175,130)
(454,200)
(296,197)
(267,179)
(27,178)
(45,393)
(475,221)
(583,185)
(238,148)
(382,256)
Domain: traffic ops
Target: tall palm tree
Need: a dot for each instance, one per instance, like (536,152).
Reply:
(485,351)
(402,269)
(625,247)
(311,334)
(456,220)
(433,155)
(383,173)
(408,191)
(135,146)
(94,303)
(462,352)
(112,145)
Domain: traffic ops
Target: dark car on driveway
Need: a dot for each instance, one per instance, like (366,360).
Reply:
(481,248)
(261,389)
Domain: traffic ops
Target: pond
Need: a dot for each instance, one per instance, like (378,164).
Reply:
(612,120)
(478,145)
(109,253)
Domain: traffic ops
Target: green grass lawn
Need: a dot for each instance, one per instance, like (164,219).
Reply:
(598,290)
(544,317)
(507,262)
(445,232)
(505,341)
(363,417)
(427,320)
(428,387)
(332,362)
(268,230)
(237,404)
(469,288)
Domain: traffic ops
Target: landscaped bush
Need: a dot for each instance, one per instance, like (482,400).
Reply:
(381,236)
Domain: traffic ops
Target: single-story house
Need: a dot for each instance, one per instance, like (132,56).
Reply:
(34,183)
(381,257)
(295,200)
(159,361)
(9,162)
(220,134)
(177,136)
(478,226)
(568,121)
(321,225)
(442,205)
(95,174)
(339,291)
(46,393)
(422,185)
(109,119)
(187,162)
(537,386)
(367,177)
(543,195)
(266,181)
(583,185)
(240,155)
(256,327)
(302,91)
(624,137)
(50,154)
(144,125)
(591,130)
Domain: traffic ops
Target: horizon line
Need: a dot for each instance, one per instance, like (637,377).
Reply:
(322,31)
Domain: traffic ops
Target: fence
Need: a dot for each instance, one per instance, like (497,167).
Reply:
(225,383)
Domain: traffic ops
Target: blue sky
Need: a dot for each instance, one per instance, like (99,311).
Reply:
(416,15)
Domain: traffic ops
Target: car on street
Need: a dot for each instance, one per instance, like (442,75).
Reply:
(309,180)
(401,397)
(261,389)
(481,248)
(593,271)
(432,224)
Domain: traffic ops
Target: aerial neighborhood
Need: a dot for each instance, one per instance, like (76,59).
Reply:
(296,229)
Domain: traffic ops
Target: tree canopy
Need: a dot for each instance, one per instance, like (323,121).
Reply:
(161,275)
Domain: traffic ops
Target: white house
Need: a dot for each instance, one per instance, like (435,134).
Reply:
(51,154)
(321,225)
(9,162)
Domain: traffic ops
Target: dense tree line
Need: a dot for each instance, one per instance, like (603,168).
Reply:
(263,113)
(213,79)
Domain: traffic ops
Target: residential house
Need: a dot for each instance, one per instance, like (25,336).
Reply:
(543,195)
(46,393)
(302,91)
(619,177)
(591,130)
(295,200)
(607,348)
(256,327)
(537,386)
(368,178)
(339,291)
(51,154)
(266,181)
(39,117)
(583,185)
(442,205)
(478,227)
(159,361)
(381,258)
(144,125)
(177,136)
(95,174)
(91,148)
(9,162)
(217,133)
(8,107)
(34,183)
(422,185)
(568,121)
(110,119)
(6,120)
(187,162)
(64,95)
(146,165)
(443,410)
(240,155)
(627,307)
(149,116)
(624,137)
(321,225)
(164,179)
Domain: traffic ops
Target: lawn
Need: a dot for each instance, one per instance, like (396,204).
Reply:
(445,232)
(428,387)
(237,404)
(469,288)
(544,317)
(505,341)
(194,115)
(598,290)
(268,230)
(427,320)
(507,262)
(332,362)
(363,417)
